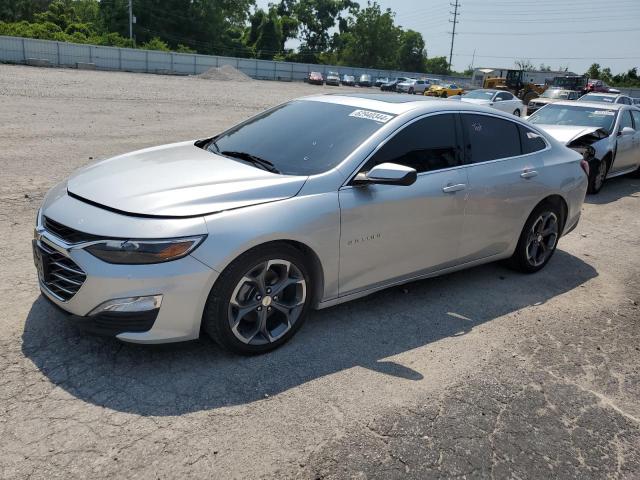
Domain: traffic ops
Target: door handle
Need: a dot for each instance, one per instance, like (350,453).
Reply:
(529,174)
(454,188)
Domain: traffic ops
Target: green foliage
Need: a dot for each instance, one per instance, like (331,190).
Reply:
(156,44)
(627,79)
(437,65)
(412,54)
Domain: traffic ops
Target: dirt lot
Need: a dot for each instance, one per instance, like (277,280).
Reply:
(481,373)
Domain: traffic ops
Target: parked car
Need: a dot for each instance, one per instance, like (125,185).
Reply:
(498,99)
(381,81)
(333,78)
(348,80)
(365,81)
(607,135)
(444,90)
(392,85)
(316,78)
(636,101)
(551,95)
(606,98)
(595,85)
(245,232)
(406,86)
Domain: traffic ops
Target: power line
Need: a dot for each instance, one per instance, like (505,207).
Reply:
(551,33)
(453,32)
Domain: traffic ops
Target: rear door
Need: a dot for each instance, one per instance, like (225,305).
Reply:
(392,232)
(504,183)
(636,145)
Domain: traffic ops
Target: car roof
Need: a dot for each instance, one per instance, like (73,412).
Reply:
(604,94)
(601,105)
(399,104)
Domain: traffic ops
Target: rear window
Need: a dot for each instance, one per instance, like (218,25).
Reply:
(303,137)
(490,138)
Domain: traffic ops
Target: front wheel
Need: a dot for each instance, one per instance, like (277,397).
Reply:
(411,91)
(259,301)
(597,176)
(444,95)
(538,239)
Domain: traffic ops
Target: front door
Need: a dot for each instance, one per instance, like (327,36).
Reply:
(391,232)
(625,150)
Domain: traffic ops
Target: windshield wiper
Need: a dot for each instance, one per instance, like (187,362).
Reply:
(247,157)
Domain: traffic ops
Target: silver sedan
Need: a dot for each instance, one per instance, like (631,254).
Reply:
(608,135)
(239,235)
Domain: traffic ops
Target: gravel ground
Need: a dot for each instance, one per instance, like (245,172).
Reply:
(482,373)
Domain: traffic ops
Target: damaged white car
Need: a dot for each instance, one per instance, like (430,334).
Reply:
(608,136)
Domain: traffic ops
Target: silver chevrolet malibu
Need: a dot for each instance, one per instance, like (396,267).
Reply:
(310,204)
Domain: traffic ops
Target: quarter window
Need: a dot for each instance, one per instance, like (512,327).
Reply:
(426,145)
(636,119)
(530,140)
(490,138)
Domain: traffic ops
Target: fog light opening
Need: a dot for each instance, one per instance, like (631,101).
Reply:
(129,305)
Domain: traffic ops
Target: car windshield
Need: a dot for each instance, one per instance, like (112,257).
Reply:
(555,93)
(301,137)
(480,94)
(598,98)
(575,115)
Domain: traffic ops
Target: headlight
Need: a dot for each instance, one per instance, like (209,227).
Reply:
(135,252)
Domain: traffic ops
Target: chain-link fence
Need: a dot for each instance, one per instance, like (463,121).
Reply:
(61,54)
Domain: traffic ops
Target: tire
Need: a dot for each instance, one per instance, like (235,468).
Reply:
(411,91)
(516,112)
(636,173)
(535,247)
(444,95)
(597,175)
(236,315)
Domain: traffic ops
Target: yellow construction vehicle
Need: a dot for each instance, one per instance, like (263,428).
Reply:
(515,84)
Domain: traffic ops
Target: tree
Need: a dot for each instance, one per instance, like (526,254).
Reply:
(372,40)
(411,54)
(265,34)
(316,18)
(437,65)
(525,64)
(594,71)
(19,10)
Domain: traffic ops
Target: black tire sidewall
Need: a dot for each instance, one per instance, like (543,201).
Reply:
(593,171)
(215,317)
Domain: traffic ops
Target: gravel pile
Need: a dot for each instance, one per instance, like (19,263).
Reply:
(225,73)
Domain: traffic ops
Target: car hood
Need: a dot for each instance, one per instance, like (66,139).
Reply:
(567,133)
(546,101)
(178,180)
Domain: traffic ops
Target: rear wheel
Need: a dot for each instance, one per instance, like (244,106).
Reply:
(516,112)
(539,238)
(260,300)
(444,95)
(597,175)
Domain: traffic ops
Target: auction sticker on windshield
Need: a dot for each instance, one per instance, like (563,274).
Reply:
(604,112)
(369,115)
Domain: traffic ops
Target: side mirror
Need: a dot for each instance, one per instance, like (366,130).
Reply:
(626,131)
(388,174)
(498,99)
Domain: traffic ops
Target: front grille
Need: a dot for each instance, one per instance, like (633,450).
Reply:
(61,275)
(67,234)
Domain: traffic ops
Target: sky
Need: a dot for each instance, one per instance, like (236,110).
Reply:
(558,33)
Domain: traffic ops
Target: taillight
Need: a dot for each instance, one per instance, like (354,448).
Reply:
(585,166)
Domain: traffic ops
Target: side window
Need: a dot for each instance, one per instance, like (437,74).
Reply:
(636,118)
(530,140)
(626,121)
(504,96)
(490,138)
(426,145)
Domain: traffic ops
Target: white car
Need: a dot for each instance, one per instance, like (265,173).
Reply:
(606,98)
(498,99)
(413,86)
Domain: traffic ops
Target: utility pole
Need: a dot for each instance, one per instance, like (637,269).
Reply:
(455,14)
(130,19)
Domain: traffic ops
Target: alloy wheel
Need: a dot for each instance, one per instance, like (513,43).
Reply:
(542,238)
(267,302)
(600,175)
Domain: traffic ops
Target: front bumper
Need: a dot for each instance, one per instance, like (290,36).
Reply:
(184,285)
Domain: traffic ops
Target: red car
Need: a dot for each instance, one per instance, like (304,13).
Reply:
(316,78)
(597,86)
